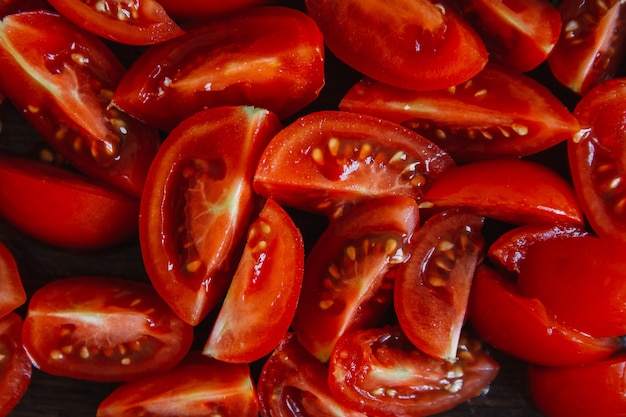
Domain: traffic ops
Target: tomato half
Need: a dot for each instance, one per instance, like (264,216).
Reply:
(522,326)
(432,288)
(198,386)
(142,22)
(63,208)
(15,366)
(330,161)
(592,43)
(293,382)
(193,9)
(511,190)
(419,45)
(103,329)
(350,271)
(497,113)
(62,79)
(198,204)
(582,281)
(271,267)
(12,294)
(596,158)
(593,389)
(379,372)
(270,57)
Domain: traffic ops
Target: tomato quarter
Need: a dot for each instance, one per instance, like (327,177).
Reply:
(12,294)
(15,366)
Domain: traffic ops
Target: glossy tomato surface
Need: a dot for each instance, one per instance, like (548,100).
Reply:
(15,366)
(13,294)
(102,329)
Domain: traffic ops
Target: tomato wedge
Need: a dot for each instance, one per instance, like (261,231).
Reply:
(349,273)
(62,79)
(13,294)
(495,114)
(142,22)
(248,327)
(198,203)
(198,386)
(270,57)
(330,161)
(15,366)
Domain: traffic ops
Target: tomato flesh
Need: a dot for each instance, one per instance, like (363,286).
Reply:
(13,294)
(15,366)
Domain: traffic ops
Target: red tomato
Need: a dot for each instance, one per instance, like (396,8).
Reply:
(329,161)
(198,203)
(62,79)
(199,386)
(582,281)
(432,288)
(270,57)
(8,7)
(63,208)
(103,329)
(294,383)
(517,33)
(192,9)
(142,22)
(591,45)
(12,294)
(349,273)
(15,366)
(593,389)
(413,44)
(510,190)
(596,158)
(522,326)
(380,373)
(271,268)
(497,113)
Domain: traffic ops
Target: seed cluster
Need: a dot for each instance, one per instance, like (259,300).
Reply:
(445,256)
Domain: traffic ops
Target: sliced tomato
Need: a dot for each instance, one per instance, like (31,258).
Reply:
(511,190)
(509,250)
(103,329)
(593,389)
(294,383)
(582,281)
(419,45)
(432,288)
(142,22)
(379,372)
(522,326)
(198,386)
(497,113)
(592,43)
(518,33)
(198,204)
(270,57)
(349,273)
(13,294)
(62,79)
(248,327)
(63,208)
(193,9)
(15,366)
(329,161)
(596,158)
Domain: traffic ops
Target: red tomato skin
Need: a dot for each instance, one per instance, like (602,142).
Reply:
(593,389)
(141,23)
(213,151)
(497,113)
(102,329)
(511,190)
(193,9)
(197,386)
(13,294)
(62,208)
(582,281)
(62,85)
(271,267)
(270,57)
(8,7)
(595,158)
(418,45)
(522,326)
(16,368)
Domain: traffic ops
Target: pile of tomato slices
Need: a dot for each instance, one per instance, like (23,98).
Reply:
(333,207)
